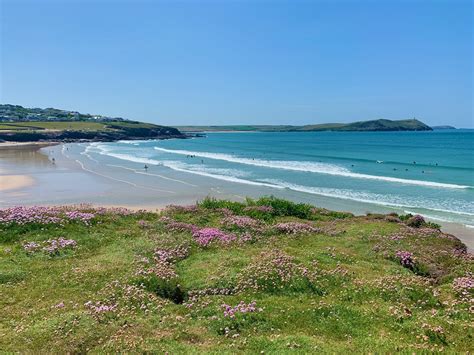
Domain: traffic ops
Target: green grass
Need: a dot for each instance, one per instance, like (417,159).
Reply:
(56,125)
(354,296)
(73,125)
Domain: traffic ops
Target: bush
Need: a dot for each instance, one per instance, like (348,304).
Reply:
(285,208)
(212,203)
(416,221)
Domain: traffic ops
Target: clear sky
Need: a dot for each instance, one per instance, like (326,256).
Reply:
(231,62)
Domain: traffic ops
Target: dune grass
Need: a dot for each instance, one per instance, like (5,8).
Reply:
(225,277)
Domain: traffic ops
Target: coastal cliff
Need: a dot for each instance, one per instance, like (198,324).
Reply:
(21,124)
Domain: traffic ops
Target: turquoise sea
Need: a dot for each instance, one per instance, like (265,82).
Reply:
(431,173)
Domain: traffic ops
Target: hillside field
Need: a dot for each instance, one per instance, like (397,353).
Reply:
(224,277)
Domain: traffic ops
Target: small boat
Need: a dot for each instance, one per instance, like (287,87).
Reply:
(379,161)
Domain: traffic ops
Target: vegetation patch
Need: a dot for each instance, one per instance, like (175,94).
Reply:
(219,276)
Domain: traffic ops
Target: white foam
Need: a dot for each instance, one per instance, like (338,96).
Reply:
(150,174)
(365,197)
(178,166)
(120,180)
(313,167)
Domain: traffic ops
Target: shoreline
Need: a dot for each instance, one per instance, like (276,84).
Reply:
(26,145)
(69,181)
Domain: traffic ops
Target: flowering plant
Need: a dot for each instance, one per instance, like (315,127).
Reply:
(51,246)
(406,258)
(206,236)
(295,228)
(242,308)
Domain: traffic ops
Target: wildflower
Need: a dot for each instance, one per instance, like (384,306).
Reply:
(99,307)
(295,228)
(44,215)
(416,221)
(406,258)
(143,224)
(173,254)
(241,222)
(53,246)
(31,247)
(464,287)
(271,271)
(205,236)
(241,308)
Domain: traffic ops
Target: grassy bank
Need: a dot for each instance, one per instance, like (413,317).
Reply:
(269,275)
(70,131)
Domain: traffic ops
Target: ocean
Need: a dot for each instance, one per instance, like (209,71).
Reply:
(430,173)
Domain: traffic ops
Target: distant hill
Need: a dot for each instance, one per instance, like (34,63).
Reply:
(362,126)
(22,124)
(443,127)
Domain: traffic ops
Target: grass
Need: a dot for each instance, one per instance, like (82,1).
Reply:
(56,125)
(338,288)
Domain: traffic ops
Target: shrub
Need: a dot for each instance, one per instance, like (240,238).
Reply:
(416,221)
(212,203)
(286,208)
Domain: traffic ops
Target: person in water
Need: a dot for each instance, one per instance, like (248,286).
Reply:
(146,167)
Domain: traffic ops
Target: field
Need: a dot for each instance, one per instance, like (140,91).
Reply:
(56,125)
(72,125)
(223,277)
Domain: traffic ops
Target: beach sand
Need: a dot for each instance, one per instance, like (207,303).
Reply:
(62,174)
(14,182)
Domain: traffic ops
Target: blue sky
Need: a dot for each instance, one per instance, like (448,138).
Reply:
(231,62)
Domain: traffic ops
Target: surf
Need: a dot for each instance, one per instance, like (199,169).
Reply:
(312,167)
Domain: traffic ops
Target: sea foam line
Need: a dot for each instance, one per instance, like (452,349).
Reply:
(356,196)
(119,180)
(150,174)
(180,167)
(305,166)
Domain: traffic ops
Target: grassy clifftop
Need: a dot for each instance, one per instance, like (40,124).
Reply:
(28,125)
(268,275)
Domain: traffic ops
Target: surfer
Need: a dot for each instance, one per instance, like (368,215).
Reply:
(146,167)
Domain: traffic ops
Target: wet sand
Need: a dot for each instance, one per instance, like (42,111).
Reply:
(14,182)
(25,145)
(63,174)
